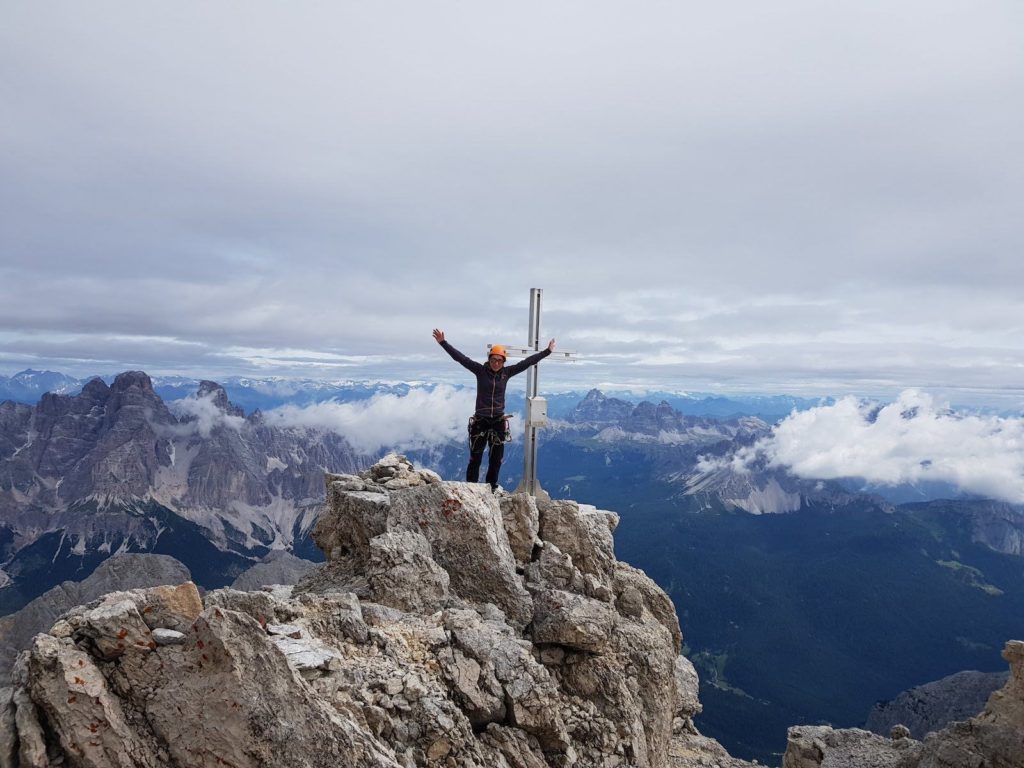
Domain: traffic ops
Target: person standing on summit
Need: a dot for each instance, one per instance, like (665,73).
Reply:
(487,425)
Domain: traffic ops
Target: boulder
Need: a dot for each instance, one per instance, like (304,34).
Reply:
(350,520)
(401,573)
(582,532)
(466,531)
(571,620)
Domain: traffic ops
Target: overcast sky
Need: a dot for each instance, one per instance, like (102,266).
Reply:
(781,197)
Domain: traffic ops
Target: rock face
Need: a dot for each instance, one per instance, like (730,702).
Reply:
(992,739)
(124,571)
(75,471)
(932,706)
(429,638)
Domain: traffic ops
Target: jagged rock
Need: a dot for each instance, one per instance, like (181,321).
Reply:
(553,569)
(322,677)
(636,595)
(350,520)
(582,532)
(170,607)
(522,524)
(932,706)
(819,746)
(899,732)
(466,531)
(572,620)
(402,573)
(119,572)
(29,731)
(115,627)
(687,705)
(993,739)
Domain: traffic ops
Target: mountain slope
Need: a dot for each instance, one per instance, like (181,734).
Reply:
(114,469)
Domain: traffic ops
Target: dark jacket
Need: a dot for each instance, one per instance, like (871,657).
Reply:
(490,386)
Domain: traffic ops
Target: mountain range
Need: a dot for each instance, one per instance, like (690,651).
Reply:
(251,393)
(800,599)
(113,469)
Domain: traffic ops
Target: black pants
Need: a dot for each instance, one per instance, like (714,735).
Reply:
(484,433)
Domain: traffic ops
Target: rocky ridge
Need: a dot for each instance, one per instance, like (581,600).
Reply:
(992,739)
(934,705)
(448,627)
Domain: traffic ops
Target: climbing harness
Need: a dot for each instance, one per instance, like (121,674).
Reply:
(494,432)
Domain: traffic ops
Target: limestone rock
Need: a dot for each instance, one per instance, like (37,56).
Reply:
(819,746)
(116,627)
(637,595)
(350,520)
(687,705)
(466,531)
(118,572)
(572,620)
(522,524)
(993,738)
(553,569)
(402,573)
(932,706)
(168,637)
(444,630)
(582,532)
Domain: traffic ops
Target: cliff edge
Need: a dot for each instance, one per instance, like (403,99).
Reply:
(448,627)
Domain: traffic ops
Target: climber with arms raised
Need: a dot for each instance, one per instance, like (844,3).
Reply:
(487,425)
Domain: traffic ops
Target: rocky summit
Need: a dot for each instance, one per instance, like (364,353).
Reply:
(448,627)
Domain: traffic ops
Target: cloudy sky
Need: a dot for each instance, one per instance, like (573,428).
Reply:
(779,197)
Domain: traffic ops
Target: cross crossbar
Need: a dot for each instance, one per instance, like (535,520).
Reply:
(566,357)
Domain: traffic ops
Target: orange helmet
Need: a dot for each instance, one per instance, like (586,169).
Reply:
(499,350)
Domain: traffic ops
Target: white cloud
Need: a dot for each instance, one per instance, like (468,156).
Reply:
(912,440)
(419,419)
(203,415)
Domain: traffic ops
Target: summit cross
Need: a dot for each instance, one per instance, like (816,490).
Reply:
(536,406)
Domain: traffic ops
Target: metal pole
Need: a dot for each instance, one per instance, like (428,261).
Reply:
(533,374)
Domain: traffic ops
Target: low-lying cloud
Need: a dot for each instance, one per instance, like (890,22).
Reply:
(913,440)
(419,419)
(202,415)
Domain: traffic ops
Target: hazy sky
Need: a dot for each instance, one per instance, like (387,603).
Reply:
(786,196)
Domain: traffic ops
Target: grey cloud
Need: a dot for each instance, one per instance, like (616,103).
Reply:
(784,194)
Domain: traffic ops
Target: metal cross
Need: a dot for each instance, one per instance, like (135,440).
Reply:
(536,406)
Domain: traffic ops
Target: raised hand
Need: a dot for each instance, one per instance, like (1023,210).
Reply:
(439,336)
(551,346)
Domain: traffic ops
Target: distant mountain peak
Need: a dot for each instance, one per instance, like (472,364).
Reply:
(129,379)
